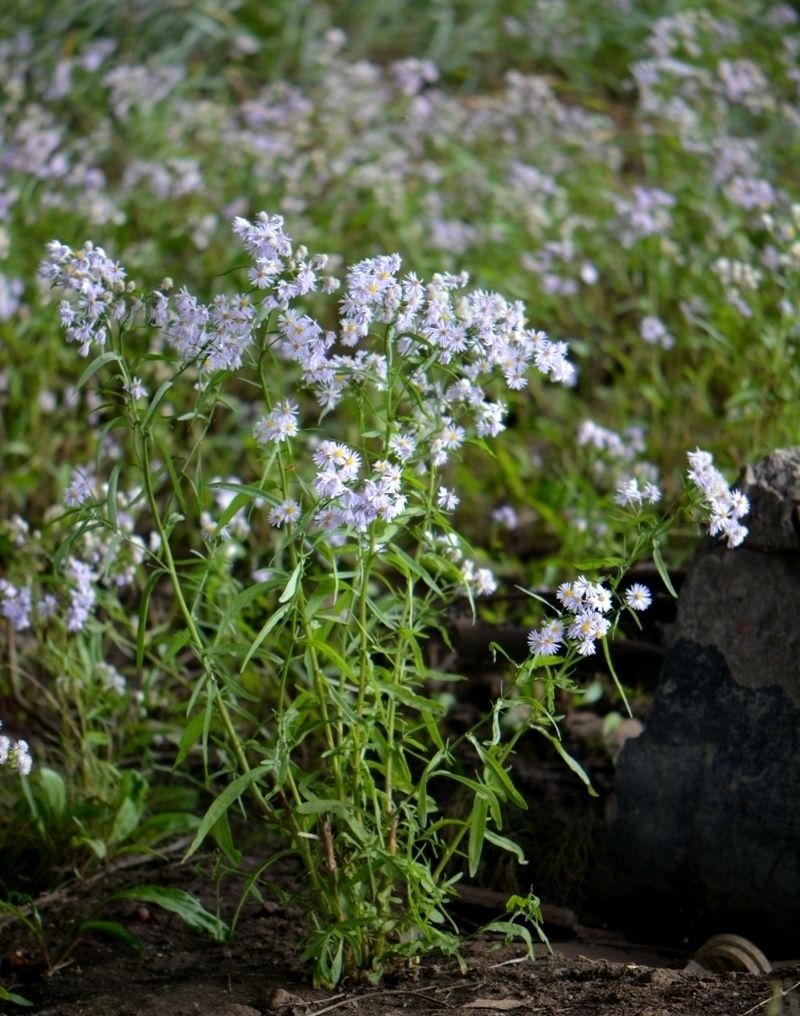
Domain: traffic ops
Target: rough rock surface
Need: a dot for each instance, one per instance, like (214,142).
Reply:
(706,832)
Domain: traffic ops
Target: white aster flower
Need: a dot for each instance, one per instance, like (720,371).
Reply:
(638,596)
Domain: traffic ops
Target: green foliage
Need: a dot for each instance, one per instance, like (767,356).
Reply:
(627,171)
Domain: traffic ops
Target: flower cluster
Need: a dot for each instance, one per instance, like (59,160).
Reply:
(631,495)
(725,506)
(619,466)
(16,604)
(97,284)
(216,336)
(15,754)
(587,603)
(473,334)
(345,500)
(655,333)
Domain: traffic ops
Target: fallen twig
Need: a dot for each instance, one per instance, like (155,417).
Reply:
(783,994)
(379,994)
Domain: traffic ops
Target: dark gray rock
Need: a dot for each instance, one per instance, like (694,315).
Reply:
(773,486)
(706,832)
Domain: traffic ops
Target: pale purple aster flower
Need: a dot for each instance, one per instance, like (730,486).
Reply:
(136,389)
(655,333)
(569,597)
(505,516)
(628,494)
(80,489)
(447,499)
(402,446)
(287,512)
(638,596)
(599,598)
(725,507)
(15,754)
(82,595)
(588,625)
(278,425)
(547,640)
(16,605)
(485,582)
(481,579)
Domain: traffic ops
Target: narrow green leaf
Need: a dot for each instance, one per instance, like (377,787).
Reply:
(242,600)
(327,650)
(291,585)
(321,806)
(477,833)
(166,458)
(422,790)
(156,401)
(502,775)
(224,838)
(612,671)
(97,364)
(10,996)
(178,901)
(511,930)
(111,495)
(115,930)
(265,630)
(573,764)
(52,791)
(144,610)
(402,693)
(190,736)
(506,844)
(658,561)
(231,793)
(125,820)
(408,567)
(177,642)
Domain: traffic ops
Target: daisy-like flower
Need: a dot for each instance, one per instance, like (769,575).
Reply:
(638,597)
(628,494)
(481,579)
(347,461)
(740,504)
(391,475)
(547,640)
(599,598)
(279,425)
(286,512)
(15,754)
(136,389)
(447,499)
(505,516)
(568,597)
(403,446)
(485,582)
(588,625)
(80,489)
(726,507)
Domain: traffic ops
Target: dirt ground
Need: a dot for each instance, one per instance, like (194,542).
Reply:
(590,970)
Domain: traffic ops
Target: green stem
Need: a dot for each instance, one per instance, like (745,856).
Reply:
(194,633)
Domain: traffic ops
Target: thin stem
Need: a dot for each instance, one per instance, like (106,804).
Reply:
(194,633)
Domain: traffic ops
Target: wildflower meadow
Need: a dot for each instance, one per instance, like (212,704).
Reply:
(317,328)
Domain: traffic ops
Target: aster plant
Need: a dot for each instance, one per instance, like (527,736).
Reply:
(309,693)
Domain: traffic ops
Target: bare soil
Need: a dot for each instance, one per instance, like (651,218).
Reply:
(590,970)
